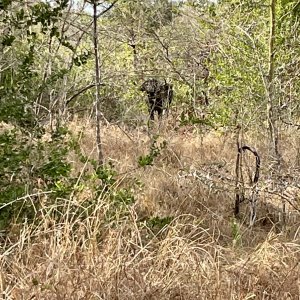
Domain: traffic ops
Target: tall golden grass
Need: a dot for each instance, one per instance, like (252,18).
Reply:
(200,253)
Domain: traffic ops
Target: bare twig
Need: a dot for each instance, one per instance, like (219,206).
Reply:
(107,9)
(80,91)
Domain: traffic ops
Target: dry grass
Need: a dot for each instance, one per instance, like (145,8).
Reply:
(198,254)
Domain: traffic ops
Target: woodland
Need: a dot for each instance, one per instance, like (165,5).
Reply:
(150,149)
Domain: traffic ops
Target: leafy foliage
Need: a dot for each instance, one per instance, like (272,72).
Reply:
(219,50)
(159,222)
(155,149)
(25,165)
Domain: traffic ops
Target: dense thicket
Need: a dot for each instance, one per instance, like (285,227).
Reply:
(230,62)
(99,202)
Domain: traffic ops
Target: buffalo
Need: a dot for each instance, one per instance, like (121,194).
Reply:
(159,96)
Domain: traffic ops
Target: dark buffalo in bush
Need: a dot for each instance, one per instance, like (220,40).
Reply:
(160,95)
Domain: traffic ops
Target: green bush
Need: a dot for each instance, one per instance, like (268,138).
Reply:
(24,163)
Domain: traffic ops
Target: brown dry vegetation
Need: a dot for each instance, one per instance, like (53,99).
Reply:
(201,253)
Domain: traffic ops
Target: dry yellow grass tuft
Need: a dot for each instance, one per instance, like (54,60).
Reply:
(177,241)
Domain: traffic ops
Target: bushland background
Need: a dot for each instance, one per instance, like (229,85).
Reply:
(96,203)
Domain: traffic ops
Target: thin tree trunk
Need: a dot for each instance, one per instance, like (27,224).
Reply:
(97,95)
(272,124)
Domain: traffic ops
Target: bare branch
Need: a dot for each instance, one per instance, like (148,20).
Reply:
(107,9)
(82,90)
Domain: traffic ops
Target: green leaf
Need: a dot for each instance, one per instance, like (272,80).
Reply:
(8,40)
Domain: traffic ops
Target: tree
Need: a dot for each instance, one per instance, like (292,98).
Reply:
(272,122)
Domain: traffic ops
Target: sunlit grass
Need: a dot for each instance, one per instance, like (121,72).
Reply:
(177,241)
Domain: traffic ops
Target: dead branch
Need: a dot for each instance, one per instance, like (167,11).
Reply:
(80,91)
(240,188)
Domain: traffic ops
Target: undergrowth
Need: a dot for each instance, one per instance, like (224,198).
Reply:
(143,226)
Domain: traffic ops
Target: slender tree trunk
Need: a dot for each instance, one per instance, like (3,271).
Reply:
(97,95)
(272,121)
